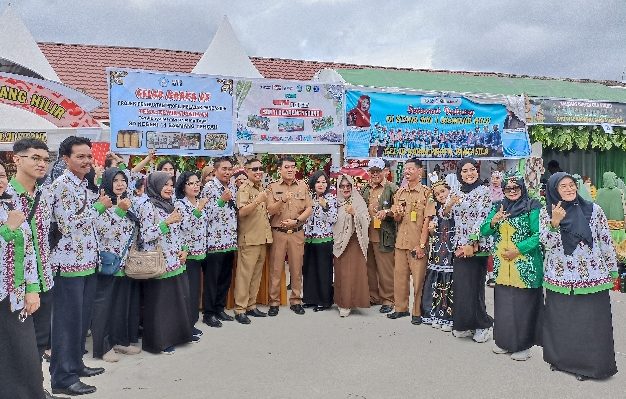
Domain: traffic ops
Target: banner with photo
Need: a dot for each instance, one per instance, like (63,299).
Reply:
(282,111)
(403,125)
(575,112)
(179,114)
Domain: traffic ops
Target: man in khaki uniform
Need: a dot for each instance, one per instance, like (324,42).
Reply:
(410,258)
(382,233)
(289,205)
(254,235)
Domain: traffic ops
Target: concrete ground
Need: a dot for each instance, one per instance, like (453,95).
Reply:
(365,355)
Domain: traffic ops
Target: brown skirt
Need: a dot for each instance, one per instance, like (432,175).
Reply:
(351,288)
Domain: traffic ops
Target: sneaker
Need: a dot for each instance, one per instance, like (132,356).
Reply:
(482,335)
(196,331)
(521,355)
(194,339)
(462,334)
(497,350)
(446,328)
(344,312)
(111,357)
(435,325)
(169,350)
(127,350)
(491,283)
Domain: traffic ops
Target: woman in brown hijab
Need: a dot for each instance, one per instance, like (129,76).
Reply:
(350,248)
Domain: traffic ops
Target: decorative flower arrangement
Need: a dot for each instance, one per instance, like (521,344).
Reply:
(566,138)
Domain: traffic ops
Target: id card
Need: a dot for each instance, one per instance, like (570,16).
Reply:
(413,216)
(376,223)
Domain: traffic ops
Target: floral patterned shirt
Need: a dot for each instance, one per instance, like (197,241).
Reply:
(75,212)
(320,224)
(469,215)
(586,270)
(18,274)
(193,229)
(221,217)
(114,231)
(154,231)
(36,244)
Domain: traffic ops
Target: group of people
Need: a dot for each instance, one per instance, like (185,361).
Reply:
(65,245)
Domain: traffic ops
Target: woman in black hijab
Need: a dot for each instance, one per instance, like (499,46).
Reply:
(579,270)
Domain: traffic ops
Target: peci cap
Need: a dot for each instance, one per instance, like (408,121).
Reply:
(377,163)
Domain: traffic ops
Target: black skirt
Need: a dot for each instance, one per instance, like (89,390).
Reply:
(20,367)
(470,312)
(125,311)
(578,334)
(166,313)
(517,314)
(317,274)
(437,297)
(101,316)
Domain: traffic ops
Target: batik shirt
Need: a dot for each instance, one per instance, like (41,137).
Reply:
(36,244)
(586,270)
(114,232)
(193,228)
(76,212)
(17,274)
(469,215)
(319,226)
(442,248)
(154,231)
(221,217)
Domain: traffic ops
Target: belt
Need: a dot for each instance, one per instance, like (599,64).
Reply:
(289,231)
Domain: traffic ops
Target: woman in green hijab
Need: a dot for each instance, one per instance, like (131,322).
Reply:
(611,199)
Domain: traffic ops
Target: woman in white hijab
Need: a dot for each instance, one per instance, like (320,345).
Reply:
(350,248)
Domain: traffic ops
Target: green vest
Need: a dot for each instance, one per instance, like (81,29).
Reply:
(388,227)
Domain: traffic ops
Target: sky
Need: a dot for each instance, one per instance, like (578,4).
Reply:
(575,38)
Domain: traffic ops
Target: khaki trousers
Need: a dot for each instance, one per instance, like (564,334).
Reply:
(380,274)
(405,267)
(291,245)
(250,260)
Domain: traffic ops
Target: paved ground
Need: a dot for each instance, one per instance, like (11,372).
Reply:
(319,355)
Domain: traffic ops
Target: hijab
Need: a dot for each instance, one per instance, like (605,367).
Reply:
(154,184)
(347,224)
(465,187)
(107,185)
(609,197)
(523,204)
(496,191)
(575,226)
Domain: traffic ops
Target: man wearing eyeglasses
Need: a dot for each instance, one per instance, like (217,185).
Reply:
(74,260)
(289,206)
(378,195)
(254,235)
(32,158)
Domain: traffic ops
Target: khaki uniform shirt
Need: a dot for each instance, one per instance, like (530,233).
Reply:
(410,227)
(372,206)
(254,228)
(293,207)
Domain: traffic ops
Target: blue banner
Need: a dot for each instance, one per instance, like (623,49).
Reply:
(402,126)
(179,114)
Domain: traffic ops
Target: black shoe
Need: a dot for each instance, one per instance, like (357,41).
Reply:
(397,315)
(273,311)
(48,395)
(297,309)
(242,318)
(416,320)
(223,316)
(321,308)
(309,305)
(212,321)
(77,388)
(90,371)
(256,313)
(385,309)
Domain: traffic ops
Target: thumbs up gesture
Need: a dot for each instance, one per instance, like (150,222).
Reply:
(500,215)
(558,213)
(105,200)
(123,204)
(174,217)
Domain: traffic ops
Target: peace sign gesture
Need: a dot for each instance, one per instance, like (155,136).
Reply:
(558,213)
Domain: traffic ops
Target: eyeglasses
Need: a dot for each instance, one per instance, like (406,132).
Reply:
(256,168)
(193,183)
(36,158)
(511,189)
(345,186)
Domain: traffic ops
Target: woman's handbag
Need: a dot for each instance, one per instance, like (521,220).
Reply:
(143,265)
(110,262)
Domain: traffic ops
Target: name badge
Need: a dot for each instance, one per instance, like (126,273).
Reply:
(413,216)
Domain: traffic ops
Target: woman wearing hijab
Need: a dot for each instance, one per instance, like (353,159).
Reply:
(469,210)
(518,269)
(350,235)
(579,269)
(114,229)
(317,271)
(611,199)
(359,116)
(166,320)
(193,229)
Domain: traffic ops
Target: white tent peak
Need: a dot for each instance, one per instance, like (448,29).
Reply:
(328,75)
(18,46)
(226,56)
